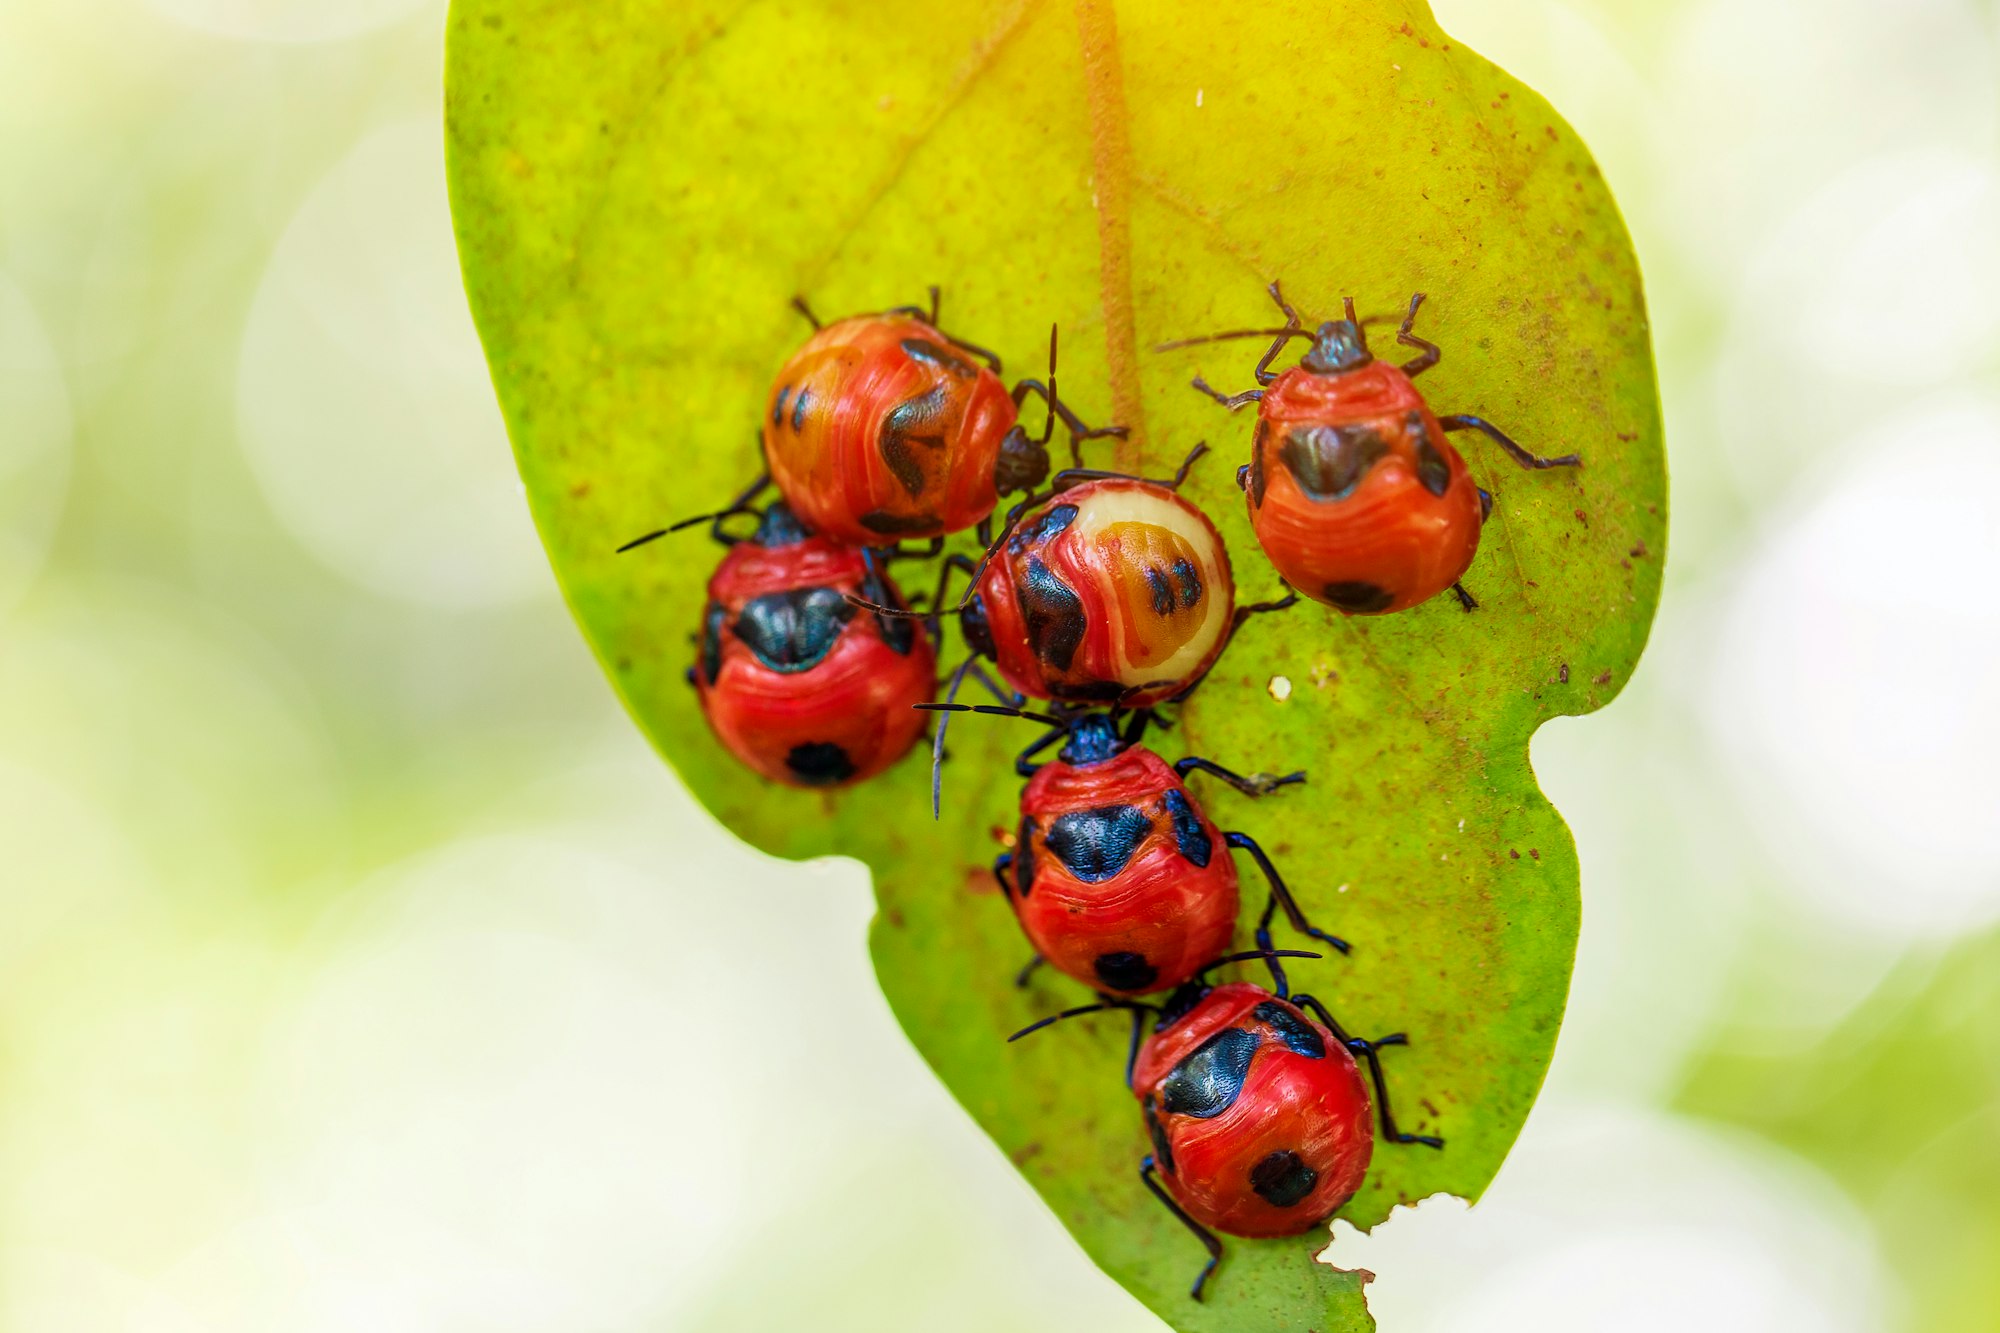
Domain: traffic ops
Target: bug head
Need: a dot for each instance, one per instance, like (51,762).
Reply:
(1339,346)
(779,527)
(1023,463)
(1093,738)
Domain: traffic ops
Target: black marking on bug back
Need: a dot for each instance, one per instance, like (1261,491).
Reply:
(1188,579)
(1283,1179)
(1432,470)
(917,349)
(911,425)
(820,763)
(712,622)
(800,406)
(899,632)
(1257,478)
(1360,598)
(1090,691)
(1328,462)
(1124,970)
(1189,835)
(1294,1031)
(897,525)
(1048,525)
(1054,615)
(793,631)
(1208,1080)
(1163,1152)
(1096,844)
(1024,857)
(1163,593)
(778,407)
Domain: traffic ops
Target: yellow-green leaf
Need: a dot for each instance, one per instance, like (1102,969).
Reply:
(640,188)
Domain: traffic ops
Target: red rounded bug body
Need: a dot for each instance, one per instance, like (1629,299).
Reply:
(1118,877)
(880,427)
(1114,590)
(1354,492)
(1258,1116)
(795,680)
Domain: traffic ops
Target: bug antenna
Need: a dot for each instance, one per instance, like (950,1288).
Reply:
(937,737)
(684,524)
(1049,426)
(799,304)
(1078,1012)
(991,710)
(1233,333)
(1257,953)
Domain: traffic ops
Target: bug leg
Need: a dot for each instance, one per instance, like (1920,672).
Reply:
(1432,353)
(1500,437)
(1465,599)
(1260,784)
(1281,985)
(1011,698)
(1230,401)
(937,734)
(1024,762)
(1367,1050)
(1071,477)
(1485,505)
(1001,865)
(799,304)
(1282,896)
(1139,1013)
(1021,977)
(937,295)
(1201,1233)
(1079,430)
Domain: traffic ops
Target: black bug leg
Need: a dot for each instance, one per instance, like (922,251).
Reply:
(1368,1051)
(1432,353)
(1076,476)
(1281,896)
(1201,1233)
(1002,864)
(1021,977)
(1465,599)
(1262,784)
(1500,437)
(1232,401)
(799,304)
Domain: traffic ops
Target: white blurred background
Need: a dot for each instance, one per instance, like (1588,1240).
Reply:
(360,968)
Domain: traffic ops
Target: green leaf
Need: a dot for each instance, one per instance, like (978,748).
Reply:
(640,188)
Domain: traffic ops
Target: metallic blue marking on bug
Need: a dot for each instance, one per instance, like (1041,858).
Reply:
(1096,844)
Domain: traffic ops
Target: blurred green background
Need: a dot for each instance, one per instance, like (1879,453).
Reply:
(360,967)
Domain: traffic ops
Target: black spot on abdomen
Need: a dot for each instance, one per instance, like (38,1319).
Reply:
(793,631)
(917,349)
(909,426)
(1432,470)
(1361,598)
(897,525)
(1054,615)
(1189,835)
(1207,1082)
(820,763)
(1328,462)
(1295,1032)
(1124,970)
(1282,1179)
(1096,844)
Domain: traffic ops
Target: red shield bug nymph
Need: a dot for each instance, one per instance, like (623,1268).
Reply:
(794,679)
(1356,495)
(1254,1106)
(882,427)
(1118,876)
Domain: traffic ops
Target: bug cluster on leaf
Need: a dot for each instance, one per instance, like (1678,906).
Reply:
(1107,598)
